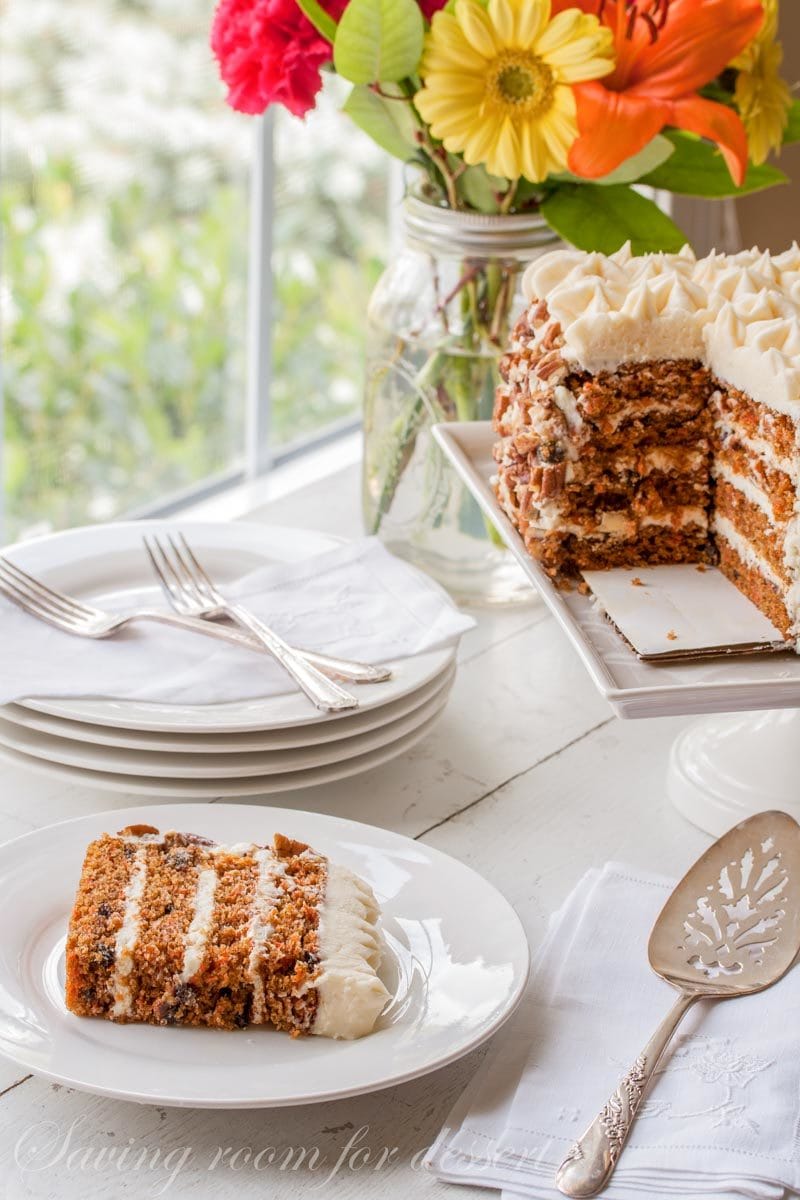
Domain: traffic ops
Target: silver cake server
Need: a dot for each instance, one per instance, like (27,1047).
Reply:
(731,927)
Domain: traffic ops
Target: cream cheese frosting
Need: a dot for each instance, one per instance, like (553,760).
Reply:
(200,927)
(128,933)
(739,313)
(351,996)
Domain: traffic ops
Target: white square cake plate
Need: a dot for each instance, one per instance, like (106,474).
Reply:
(633,687)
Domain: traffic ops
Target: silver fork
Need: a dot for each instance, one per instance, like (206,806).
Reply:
(185,597)
(192,593)
(84,620)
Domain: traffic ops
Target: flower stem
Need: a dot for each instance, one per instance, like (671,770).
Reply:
(457,379)
(508,198)
(404,431)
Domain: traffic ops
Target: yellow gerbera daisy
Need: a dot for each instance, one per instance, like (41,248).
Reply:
(762,97)
(497,82)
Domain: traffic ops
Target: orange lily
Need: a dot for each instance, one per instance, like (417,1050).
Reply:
(665,51)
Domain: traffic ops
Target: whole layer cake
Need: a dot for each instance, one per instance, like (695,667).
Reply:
(174,929)
(649,412)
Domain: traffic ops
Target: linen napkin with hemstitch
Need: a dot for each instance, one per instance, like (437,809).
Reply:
(356,601)
(723,1115)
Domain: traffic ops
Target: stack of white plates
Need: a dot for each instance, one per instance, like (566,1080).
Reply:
(245,748)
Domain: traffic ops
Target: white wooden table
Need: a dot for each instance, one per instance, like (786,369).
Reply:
(528,778)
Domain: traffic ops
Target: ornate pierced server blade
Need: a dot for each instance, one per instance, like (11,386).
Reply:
(731,927)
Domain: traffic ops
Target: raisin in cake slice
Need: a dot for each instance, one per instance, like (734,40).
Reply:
(173,929)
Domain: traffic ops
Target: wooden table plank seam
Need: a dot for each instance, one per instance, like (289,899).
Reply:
(513,778)
(538,616)
(16,1084)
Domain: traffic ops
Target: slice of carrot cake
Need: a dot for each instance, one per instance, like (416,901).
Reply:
(173,929)
(649,412)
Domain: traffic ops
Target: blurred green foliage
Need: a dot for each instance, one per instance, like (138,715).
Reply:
(116,395)
(124,205)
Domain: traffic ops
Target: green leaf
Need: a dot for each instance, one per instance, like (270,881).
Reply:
(379,41)
(792,131)
(480,189)
(387,122)
(656,152)
(604,218)
(698,169)
(648,159)
(530,193)
(323,22)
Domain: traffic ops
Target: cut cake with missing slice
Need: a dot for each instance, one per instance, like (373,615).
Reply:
(649,412)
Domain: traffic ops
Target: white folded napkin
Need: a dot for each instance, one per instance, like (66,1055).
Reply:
(723,1116)
(356,601)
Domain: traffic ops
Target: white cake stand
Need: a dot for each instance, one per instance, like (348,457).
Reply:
(743,756)
(726,767)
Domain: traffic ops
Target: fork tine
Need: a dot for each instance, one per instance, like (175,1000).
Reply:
(184,578)
(36,585)
(165,570)
(198,568)
(200,580)
(32,606)
(34,603)
(42,598)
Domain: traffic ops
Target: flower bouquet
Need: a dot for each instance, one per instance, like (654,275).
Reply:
(551,118)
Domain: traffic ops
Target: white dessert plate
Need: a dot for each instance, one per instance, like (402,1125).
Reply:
(633,688)
(162,788)
(105,563)
(175,765)
(228,743)
(456,965)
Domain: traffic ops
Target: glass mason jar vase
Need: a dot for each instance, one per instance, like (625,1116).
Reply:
(438,322)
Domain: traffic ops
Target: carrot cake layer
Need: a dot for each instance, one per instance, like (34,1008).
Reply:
(751,579)
(570,554)
(175,929)
(649,412)
(752,522)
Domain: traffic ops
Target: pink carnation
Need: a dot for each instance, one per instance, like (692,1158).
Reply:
(429,7)
(270,53)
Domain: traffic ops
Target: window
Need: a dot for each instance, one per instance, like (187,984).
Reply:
(128,264)
(329,235)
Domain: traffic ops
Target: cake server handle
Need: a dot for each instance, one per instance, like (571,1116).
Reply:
(590,1163)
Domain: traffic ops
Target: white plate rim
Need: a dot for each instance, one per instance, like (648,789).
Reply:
(117,818)
(190,766)
(230,743)
(223,789)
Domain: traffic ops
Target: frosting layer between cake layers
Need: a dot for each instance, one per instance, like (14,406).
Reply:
(650,412)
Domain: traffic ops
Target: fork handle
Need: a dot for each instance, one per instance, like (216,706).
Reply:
(323,692)
(590,1163)
(345,668)
(354,672)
